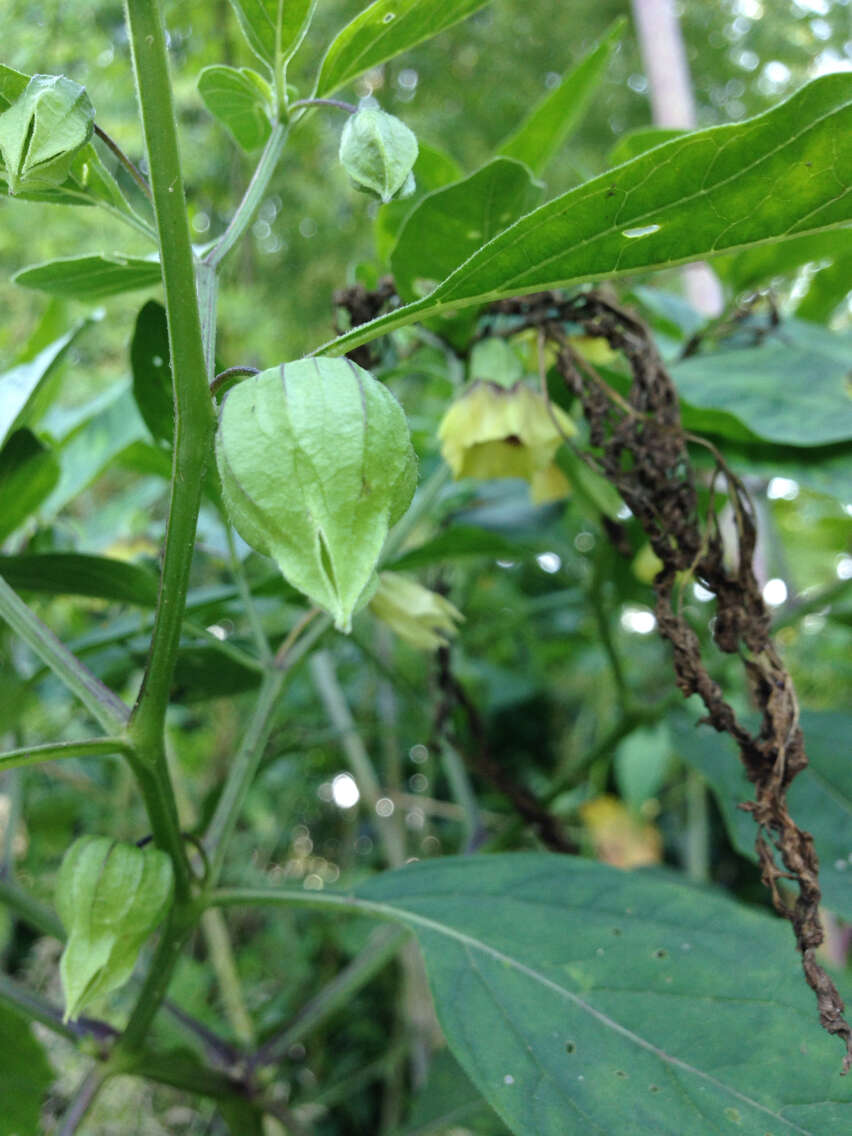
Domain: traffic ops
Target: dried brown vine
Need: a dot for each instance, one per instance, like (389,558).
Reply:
(639,444)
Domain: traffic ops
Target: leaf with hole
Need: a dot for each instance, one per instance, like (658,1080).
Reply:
(780,174)
(656,1007)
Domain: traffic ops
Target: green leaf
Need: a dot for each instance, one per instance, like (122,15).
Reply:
(274,28)
(452,223)
(239,99)
(25,1076)
(820,797)
(152,375)
(203,672)
(642,762)
(383,30)
(448,1102)
(712,191)
(790,388)
(544,131)
(432,170)
(583,999)
(637,142)
(21,387)
(75,574)
(90,277)
(28,473)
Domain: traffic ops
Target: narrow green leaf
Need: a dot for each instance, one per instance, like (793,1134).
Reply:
(383,30)
(21,387)
(28,473)
(461,542)
(239,99)
(783,173)
(820,798)
(274,28)
(152,375)
(74,574)
(25,1075)
(637,142)
(452,223)
(90,277)
(544,130)
(756,266)
(658,1007)
(791,388)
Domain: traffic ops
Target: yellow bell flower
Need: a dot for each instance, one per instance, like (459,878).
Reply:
(493,431)
(418,615)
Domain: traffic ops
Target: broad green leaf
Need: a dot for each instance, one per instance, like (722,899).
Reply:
(637,142)
(152,376)
(452,223)
(385,29)
(28,473)
(21,387)
(25,1075)
(203,672)
(820,798)
(544,131)
(780,174)
(432,170)
(790,388)
(274,28)
(74,574)
(90,277)
(583,999)
(239,100)
(448,1102)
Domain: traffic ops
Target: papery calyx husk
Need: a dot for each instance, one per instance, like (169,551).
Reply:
(492,431)
(421,617)
(378,152)
(110,897)
(316,465)
(42,132)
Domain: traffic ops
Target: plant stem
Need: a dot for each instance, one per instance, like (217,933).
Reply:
(697,828)
(130,166)
(333,699)
(174,935)
(83,1099)
(30,910)
(36,1009)
(252,198)
(242,772)
(350,108)
(383,945)
(53,751)
(242,583)
(463,794)
(421,506)
(222,959)
(194,417)
(104,706)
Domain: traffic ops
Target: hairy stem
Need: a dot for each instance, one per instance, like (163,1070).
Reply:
(53,751)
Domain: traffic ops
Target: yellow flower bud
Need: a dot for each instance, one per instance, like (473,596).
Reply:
(492,431)
(417,614)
